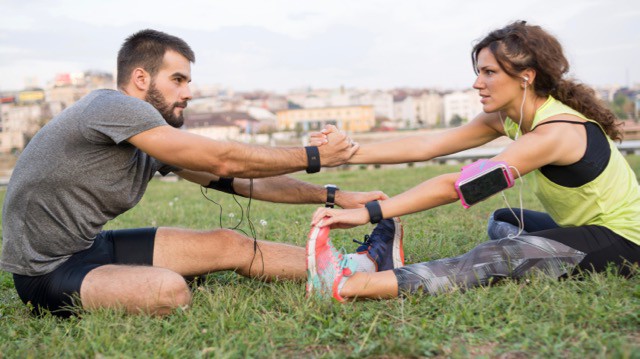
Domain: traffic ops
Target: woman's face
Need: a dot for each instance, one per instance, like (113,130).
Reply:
(497,89)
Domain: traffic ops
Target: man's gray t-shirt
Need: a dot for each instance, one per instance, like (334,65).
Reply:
(77,173)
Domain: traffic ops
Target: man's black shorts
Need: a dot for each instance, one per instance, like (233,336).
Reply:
(57,290)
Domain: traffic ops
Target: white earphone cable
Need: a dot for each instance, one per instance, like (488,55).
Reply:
(524,97)
(521,218)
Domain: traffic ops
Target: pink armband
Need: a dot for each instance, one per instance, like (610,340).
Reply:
(481,180)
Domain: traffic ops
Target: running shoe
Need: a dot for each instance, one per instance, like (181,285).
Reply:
(384,245)
(326,267)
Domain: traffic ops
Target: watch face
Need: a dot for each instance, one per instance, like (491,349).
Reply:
(330,185)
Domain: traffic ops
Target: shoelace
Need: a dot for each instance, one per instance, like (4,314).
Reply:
(366,242)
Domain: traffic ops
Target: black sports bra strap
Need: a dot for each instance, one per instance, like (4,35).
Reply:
(563,121)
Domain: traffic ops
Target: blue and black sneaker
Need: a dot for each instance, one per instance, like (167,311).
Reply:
(384,245)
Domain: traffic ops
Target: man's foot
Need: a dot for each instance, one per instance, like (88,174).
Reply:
(326,267)
(384,245)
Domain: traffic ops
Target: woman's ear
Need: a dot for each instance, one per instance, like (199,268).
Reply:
(528,76)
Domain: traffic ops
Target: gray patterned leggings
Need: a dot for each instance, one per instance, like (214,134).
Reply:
(546,248)
(508,257)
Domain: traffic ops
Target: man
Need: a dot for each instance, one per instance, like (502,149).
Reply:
(93,162)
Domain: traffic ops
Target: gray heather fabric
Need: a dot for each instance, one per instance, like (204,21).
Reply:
(500,229)
(77,173)
(508,257)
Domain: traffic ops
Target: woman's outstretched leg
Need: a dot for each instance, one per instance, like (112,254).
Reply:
(333,276)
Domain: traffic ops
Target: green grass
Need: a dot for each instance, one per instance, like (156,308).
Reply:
(236,317)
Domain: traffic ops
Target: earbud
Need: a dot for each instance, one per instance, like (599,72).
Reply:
(525,78)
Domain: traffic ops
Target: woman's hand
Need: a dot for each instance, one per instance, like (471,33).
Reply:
(340,218)
(320,138)
(317,139)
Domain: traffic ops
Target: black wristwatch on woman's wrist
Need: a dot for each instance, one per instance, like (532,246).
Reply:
(331,195)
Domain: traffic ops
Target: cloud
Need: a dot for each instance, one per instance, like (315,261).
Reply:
(280,44)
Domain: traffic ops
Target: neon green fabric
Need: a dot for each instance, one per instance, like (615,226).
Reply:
(611,200)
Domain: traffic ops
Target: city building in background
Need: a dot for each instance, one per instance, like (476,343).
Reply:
(461,107)
(346,118)
(265,117)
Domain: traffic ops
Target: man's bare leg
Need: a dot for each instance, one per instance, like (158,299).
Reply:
(160,288)
(189,253)
(137,289)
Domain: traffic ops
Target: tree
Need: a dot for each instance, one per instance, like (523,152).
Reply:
(622,106)
(456,121)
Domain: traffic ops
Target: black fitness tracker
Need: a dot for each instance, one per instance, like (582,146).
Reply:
(313,159)
(331,195)
(375,212)
(224,184)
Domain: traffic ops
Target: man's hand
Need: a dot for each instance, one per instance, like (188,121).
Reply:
(347,199)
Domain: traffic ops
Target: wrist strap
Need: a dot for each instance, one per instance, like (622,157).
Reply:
(224,184)
(375,212)
(331,196)
(313,159)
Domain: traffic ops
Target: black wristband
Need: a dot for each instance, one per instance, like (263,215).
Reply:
(331,195)
(313,159)
(375,212)
(224,184)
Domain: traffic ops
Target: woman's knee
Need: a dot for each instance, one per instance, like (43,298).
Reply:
(497,228)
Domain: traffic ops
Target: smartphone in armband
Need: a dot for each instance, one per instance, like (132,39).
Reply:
(481,180)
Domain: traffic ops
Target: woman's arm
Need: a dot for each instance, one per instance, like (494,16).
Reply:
(432,193)
(560,144)
(483,129)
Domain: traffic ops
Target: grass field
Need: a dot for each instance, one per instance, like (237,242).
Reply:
(236,317)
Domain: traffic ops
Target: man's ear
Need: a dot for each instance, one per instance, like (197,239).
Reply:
(140,79)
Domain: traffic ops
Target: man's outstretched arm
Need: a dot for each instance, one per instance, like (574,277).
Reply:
(284,189)
(235,159)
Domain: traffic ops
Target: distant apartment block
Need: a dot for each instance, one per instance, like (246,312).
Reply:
(18,123)
(430,110)
(465,104)
(423,110)
(346,118)
(404,111)
(70,87)
(381,101)
(218,126)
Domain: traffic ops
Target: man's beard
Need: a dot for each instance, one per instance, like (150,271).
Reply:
(155,98)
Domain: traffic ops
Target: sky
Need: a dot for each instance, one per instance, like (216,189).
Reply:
(281,45)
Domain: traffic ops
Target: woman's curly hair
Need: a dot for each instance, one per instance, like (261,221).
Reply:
(519,46)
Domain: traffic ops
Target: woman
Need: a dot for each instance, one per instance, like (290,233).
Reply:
(561,132)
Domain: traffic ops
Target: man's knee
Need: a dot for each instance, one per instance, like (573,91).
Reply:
(173,292)
(231,239)
(142,289)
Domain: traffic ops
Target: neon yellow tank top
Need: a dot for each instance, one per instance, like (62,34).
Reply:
(611,200)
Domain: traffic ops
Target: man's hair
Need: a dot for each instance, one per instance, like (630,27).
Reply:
(146,49)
